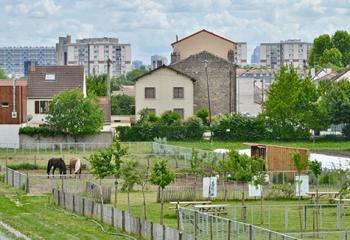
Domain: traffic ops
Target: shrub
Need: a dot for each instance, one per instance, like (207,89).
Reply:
(39,131)
(170,118)
(346,130)
(284,191)
(203,114)
(238,127)
(329,178)
(24,166)
(2,177)
(191,130)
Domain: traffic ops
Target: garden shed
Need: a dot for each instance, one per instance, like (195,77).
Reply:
(277,158)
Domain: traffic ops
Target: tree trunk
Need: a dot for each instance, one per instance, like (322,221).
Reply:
(144,200)
(300,207)
(318,204)
(128,194)
(243,204)
(115,192)
(225,190)
(161,206)
(261,204)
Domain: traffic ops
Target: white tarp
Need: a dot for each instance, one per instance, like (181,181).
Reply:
(304,185)
(209,187)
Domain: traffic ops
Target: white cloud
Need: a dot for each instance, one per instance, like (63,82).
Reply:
(151,25)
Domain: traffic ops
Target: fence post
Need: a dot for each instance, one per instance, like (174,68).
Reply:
(195,225)
(345,235)
(73,198)
(211,227)
(151,230)
(229,230)
(83,210)
(13,178)
(113,224)
(338,216)
(250,232)
(286,218)
(7,176)
(123,221)
(27,183)
(305,218)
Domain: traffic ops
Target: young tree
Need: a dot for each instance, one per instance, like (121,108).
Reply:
(128,78)
(300,165)
(203,114)
(73,114)
(131,176)
(244,169)
(316,168)
(260,180)
(107,162)
(161,176)
(341,41)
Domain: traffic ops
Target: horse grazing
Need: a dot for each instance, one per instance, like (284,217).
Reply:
(56,163)
(75,166)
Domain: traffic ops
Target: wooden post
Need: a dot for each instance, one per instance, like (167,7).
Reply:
(229,230)
(112,220)
(195,225)
(123,221)
(27,184)
(83,207)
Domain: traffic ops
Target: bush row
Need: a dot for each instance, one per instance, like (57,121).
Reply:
(39,131)
(149,131)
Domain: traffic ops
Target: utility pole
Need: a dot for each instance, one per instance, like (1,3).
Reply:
(209,105)
(262,94)
(14,113)
(108,82)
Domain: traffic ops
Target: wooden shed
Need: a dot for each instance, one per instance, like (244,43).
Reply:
(277,158)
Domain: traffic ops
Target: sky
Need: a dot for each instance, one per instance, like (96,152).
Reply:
(150,26)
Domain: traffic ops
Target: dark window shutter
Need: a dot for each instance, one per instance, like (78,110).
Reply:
(37,107)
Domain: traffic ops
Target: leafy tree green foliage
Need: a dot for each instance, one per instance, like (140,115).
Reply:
(323,51)
(238,127)
(3,74)
(320,44)
(170,118)
(96,85)
(131,175)
(336,101)
(291,108)
(71,113)
(316,168)
(331,57)
(123,105)
(162,176)
(107,162)
(39,131)
(147,117)
(341,41)
(203,114)
(128,78)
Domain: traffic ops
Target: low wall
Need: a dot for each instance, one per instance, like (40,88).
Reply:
(101,138)
(9,134)
(117,218)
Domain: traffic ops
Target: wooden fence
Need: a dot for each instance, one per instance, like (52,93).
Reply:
(117,218)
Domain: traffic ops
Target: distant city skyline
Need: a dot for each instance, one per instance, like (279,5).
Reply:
(150,26)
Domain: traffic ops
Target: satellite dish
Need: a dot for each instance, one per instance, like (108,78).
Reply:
(29,117)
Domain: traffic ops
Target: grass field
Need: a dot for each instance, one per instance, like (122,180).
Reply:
(317,145)
(35,217)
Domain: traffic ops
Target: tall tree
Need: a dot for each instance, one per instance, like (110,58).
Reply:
(72,113)
(341,41)
(320,44)
(331,57)
(162,176)
(128,78)
(96,85)
(291,107)
(123,105)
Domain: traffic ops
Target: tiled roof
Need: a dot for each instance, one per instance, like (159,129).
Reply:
(65,77)
(203,30)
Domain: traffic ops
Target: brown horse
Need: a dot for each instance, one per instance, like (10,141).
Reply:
(75,166)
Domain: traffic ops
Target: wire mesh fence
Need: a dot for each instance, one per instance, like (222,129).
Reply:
(206,226)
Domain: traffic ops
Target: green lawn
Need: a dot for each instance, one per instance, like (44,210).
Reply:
(317,145)
(35,217)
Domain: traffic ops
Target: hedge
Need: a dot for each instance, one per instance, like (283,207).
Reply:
(149,131)
(39,131)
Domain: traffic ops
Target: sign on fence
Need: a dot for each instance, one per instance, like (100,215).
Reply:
(254,190)
(210,187)
(303,182)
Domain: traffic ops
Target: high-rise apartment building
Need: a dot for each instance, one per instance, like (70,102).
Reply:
(94,53)
(158,61)
(241,53)
(16,60)
(275,55)
(255,59)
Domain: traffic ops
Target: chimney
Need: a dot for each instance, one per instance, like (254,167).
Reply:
(177,38)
